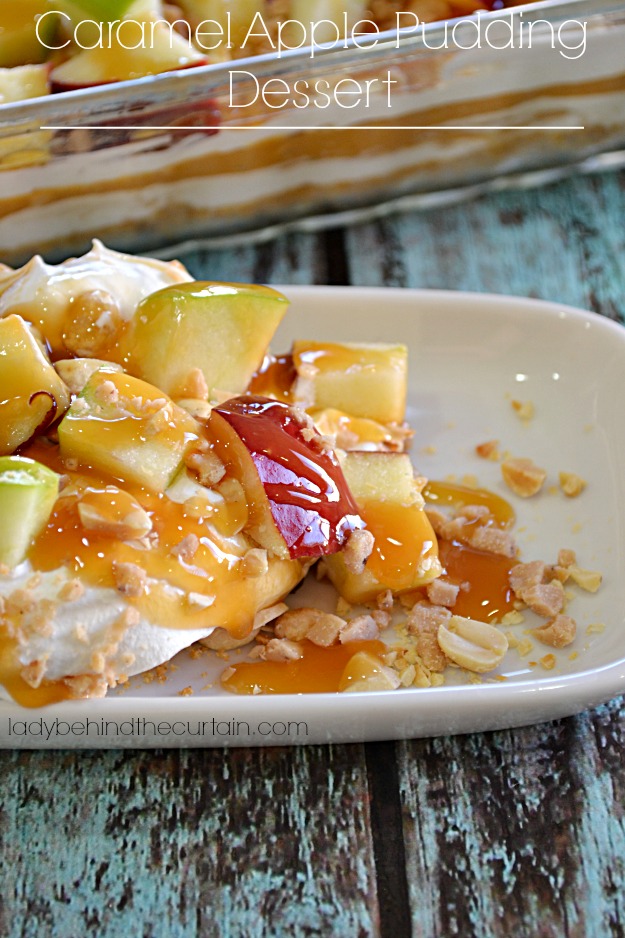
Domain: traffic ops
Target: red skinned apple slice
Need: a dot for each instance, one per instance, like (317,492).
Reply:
(100,65)
(299,502)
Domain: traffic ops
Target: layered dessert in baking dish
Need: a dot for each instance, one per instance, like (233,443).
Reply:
(164,481)
(208,150)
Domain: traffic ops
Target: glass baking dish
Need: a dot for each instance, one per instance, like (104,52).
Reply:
(203,152)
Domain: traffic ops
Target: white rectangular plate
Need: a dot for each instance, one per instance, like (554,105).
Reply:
(470,356)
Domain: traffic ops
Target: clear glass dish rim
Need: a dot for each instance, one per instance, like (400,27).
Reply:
(131,97)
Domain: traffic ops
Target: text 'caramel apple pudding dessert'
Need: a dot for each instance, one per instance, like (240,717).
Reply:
(166,482)
(52,46)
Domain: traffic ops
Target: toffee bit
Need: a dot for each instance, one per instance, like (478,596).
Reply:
(558,632)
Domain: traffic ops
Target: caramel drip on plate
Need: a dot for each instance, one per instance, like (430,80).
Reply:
(319,671)
(394,561)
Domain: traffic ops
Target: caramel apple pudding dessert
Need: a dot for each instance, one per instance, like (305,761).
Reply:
(165,480)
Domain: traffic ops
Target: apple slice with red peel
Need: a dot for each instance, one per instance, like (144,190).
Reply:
(299,502)
(167,52)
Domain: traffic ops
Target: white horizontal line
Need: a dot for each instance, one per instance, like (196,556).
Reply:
(294,127)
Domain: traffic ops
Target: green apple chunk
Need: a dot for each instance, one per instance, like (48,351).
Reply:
(129,429)
(364,380)
(31,392)
(28,492)
(405,554)
(99,10)
(19,42)
(222,329)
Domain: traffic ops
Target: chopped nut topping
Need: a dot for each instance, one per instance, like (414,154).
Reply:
(430,652)
(523,409)
(34,673)
(545,599)
(130,579)
(158,422)
(571,484)
(493,541)
(589,580)
(195,385)
(187,548)
(325,632)
(385,601)
(442,593)
(375,675)
(20,603)
(207,466)
(437,519)
(525,576)
(282,649)
(558,632)
(357,550)
(566,558)
(321,628)
(71,591)
(523,477)
(86,685)
(360,629)
(425,617)
(106,393)
(381,618)
(489,450)
(472,512)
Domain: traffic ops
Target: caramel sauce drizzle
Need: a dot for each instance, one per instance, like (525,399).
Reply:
(318,671)
(274,378)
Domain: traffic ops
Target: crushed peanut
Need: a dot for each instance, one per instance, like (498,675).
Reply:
(207,466)
(523,409)
(589,580)
(357,550)
(489,450)
(476,646)
(523,477)
(571,484)
(130,579)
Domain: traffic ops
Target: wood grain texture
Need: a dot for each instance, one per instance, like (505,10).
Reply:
(511,833)
(564,242)
(240,844)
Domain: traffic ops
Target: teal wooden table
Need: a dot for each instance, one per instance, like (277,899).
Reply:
(517,833)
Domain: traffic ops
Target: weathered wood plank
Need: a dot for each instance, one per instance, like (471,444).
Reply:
(518,832)
(237,843)
(565,243)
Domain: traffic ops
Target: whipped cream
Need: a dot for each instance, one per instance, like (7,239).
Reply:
(45,292)
(99,634)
